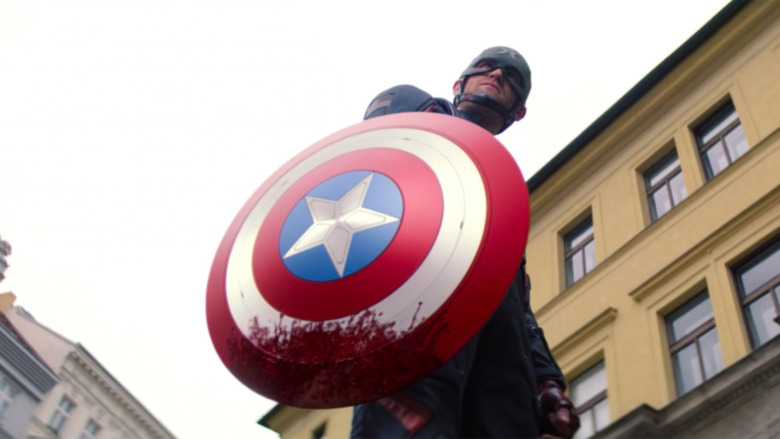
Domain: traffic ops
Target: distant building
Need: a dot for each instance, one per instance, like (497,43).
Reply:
(5,250)
(297,423)
(87,403)
(654,248)
(25,378)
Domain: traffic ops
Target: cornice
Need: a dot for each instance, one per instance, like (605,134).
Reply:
(765,203)
(126,401)
(584,332)
(727,398)
(730,389)
(703,37)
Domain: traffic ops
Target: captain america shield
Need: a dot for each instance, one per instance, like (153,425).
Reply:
(368,260)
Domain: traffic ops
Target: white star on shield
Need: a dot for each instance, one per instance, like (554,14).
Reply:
(336,222)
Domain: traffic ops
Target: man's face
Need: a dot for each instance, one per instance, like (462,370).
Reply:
(493,83)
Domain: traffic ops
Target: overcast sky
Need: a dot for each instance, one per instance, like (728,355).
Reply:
(132,131)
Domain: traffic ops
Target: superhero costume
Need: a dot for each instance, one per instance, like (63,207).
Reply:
(489,388)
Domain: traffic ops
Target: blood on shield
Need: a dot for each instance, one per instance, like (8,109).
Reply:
(368,260)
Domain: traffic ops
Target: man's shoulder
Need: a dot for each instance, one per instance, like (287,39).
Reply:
(406,98)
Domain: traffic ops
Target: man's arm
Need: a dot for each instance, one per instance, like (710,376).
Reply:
(556,411)
(544,364)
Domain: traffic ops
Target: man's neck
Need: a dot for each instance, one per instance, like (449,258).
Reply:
(480,115)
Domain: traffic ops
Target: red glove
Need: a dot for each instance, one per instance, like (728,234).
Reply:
(557,416)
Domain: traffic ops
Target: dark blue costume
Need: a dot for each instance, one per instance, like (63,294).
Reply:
(489,388)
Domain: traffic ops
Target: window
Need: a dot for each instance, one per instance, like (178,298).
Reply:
(589,395)
(758,282)
(721,140)
(90,430)
(665,186)
(693,343)
(60,415)
(579,251)
(7,394)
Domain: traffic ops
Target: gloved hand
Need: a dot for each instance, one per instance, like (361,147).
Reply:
(557,416)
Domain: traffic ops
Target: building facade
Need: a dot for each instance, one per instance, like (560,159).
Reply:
(654,248)
(87,402)
(25,379)
(655,243)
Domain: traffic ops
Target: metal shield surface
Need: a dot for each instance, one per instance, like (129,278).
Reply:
(368,260)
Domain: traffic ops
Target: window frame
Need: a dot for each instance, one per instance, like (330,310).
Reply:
(572,235)
(766,289)
(587,408)
(663,184)
(8,393)
(706,127)
(691,338)
(61,414)
(87,433)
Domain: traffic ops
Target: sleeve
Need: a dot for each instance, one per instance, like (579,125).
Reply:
(405,98)
(544,364)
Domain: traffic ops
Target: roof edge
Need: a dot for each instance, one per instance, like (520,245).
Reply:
(637,92)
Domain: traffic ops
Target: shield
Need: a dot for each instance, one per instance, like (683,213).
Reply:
(368,260)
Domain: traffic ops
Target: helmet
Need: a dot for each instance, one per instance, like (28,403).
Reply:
(516,72)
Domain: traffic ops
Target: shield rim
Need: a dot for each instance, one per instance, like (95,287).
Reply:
(461,317)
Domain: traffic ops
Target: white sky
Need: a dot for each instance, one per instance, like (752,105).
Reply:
(131,132)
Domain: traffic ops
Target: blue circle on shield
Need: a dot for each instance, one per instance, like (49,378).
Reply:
(341,226)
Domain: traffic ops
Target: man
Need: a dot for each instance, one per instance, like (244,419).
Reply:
(504,382)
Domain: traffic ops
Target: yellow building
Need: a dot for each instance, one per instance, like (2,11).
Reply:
(654,248)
